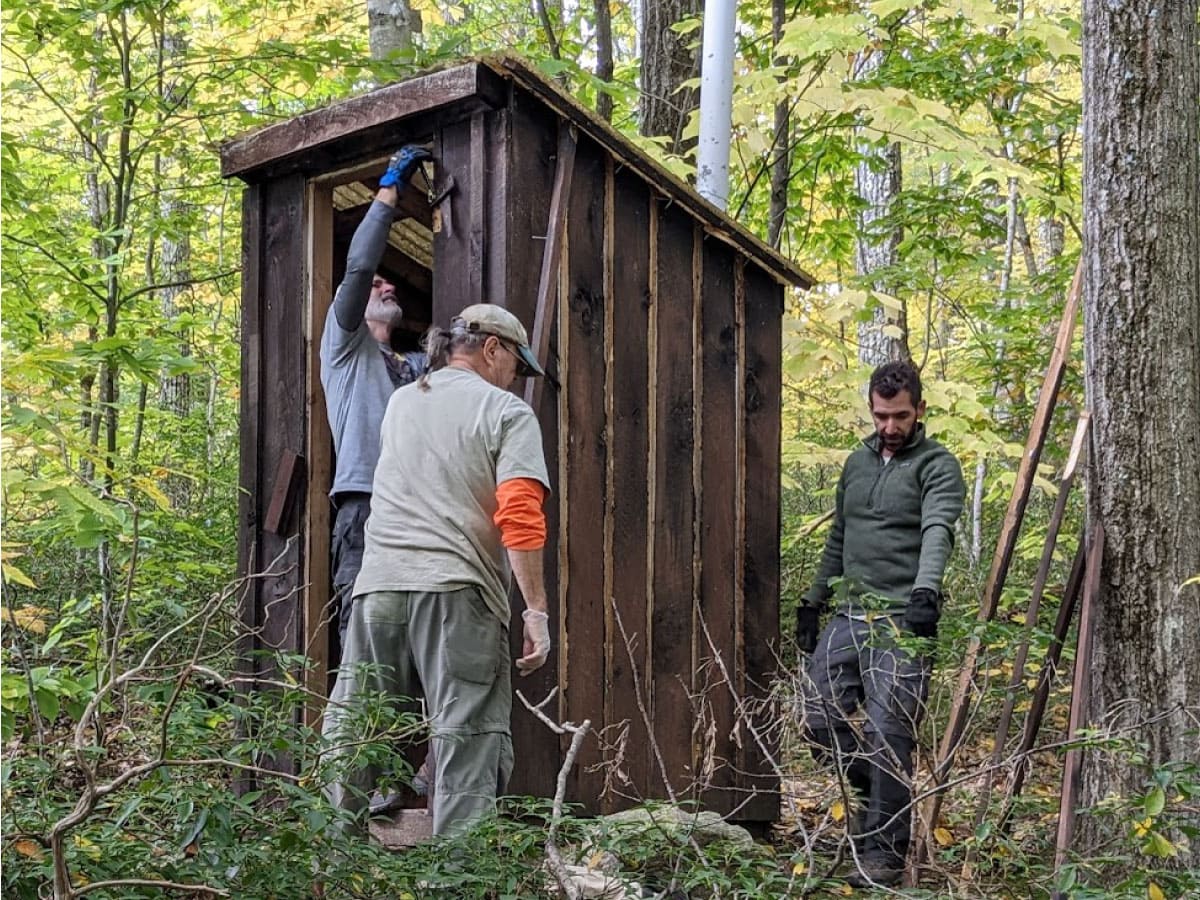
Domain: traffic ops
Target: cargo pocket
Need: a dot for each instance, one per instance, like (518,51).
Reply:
(473,640)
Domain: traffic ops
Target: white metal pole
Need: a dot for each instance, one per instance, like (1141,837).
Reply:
(716,101)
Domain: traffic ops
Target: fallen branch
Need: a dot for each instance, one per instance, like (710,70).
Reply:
(578,732)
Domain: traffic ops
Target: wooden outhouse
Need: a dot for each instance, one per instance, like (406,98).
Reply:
(658,319)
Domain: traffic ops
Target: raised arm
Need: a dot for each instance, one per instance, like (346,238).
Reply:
(370,238)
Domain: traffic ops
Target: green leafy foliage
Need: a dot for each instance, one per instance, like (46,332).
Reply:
(120,253)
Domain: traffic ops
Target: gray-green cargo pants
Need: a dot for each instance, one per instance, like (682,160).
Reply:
(450,645)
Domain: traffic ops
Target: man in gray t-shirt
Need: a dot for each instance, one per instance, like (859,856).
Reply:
(359,371)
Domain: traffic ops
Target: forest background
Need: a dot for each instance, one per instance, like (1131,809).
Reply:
(923,161)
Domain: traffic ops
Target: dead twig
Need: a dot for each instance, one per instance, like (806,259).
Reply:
(554,860)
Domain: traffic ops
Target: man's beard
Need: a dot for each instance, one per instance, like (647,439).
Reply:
(897,442)
(389,314)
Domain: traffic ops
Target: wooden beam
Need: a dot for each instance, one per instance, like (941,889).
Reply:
(1080,691)
(1041,693)
(282,492)
(547,295)
(1005,547)
(1017,679)
(318,510)
(477,242)
(363,120)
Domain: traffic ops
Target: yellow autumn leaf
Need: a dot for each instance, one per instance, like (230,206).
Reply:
(838,811)
(88,847)
(14,575)
(1154,892)
(943,836)
(844,889)
(799,869)
(1143,827)
(27,618)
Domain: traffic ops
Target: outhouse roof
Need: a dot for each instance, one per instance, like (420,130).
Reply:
(338,135)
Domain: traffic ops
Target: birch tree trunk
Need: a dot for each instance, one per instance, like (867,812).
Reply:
(1142,342)
(877,180)
(667,62)
(390,27)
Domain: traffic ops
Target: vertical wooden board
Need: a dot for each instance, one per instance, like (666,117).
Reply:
(674,503)
(477,191)
(248,461)
(529,176)
(319,453)
(586,459)
(248,464)
(495,223)
(452,280)
(718,464)
(628,501)
(530,180)
(284,416)
(760,578)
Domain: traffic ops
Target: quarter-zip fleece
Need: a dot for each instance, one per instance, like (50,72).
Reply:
(893,526)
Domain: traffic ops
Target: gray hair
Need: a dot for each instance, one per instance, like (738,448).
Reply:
(441,344)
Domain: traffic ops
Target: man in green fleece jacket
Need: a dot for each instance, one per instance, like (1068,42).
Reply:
(897,500)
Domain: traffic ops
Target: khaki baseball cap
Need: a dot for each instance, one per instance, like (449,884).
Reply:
(487,318)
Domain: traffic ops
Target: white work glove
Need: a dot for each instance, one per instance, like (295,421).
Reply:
(537,641)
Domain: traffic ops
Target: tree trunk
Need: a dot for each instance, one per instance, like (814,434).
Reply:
(667,62)
(390,27)
(604,57)
(1141,187)
(877,182)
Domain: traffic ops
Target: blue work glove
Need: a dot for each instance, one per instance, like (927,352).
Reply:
(402,164)
(922,613)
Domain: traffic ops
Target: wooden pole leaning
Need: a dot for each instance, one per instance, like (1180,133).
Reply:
(1017,679)
(1041,693)
(556,226)
(1002,559)
(1080,697)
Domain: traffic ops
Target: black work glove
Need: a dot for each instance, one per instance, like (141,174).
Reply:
(402,165)
(808,626)
(922,613)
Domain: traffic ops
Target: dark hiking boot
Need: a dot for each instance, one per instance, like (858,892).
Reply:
(876,872)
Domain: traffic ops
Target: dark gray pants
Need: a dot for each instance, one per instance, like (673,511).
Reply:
(863,701)
(346,553)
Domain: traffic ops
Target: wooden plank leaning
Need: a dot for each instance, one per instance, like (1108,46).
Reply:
(556,226)
(1017,679)
(1005,547)
(1041,693)
(1080,697)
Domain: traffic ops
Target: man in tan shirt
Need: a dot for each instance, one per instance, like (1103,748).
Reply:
(455,512)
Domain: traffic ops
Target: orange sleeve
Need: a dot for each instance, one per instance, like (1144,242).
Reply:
(519,514)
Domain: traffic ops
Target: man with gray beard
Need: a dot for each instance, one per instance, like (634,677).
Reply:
(359,371)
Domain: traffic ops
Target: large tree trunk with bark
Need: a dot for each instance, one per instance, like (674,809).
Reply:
(877,182)
(667,62)
(781,161)
(1142,333)
(604,57)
